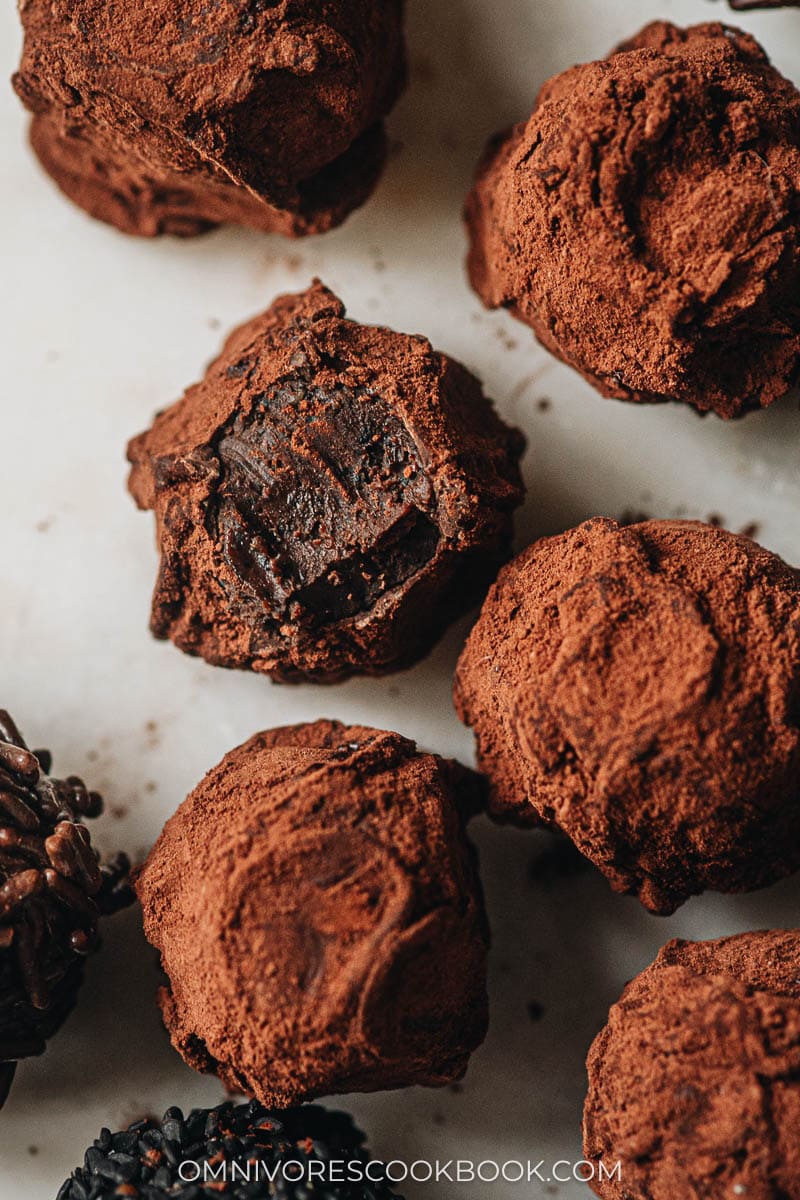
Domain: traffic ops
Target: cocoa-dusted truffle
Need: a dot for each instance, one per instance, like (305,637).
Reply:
(319,918)
(645,221)
(52,892)
(168,117)
(242,1150)
(638,687)
(327,499)
(694,1084)
(98,172)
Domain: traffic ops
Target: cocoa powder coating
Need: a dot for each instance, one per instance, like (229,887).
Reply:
(317,910)
(645,221)
(694,1083)
(327,499)
(639,688)
(97,170)
(166,117)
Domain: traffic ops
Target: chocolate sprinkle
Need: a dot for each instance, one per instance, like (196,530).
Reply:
(52,891)
(240,1151)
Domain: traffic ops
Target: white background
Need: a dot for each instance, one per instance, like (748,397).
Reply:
(98,332)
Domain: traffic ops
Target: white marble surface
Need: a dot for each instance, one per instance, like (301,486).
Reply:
(99,331)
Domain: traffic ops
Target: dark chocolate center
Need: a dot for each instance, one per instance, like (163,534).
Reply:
(323,503)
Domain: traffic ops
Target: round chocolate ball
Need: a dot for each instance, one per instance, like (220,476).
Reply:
(52,892)
(164,116)
(236,1150)
(327,499)
(316,906)
(639,688)
(645,221)
(694,1083)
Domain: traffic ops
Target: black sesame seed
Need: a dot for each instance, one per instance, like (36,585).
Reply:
(147,1157)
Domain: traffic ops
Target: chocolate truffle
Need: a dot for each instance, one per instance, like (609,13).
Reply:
(317,909)
(168,117)
(645,221)
(694,1084)
(52,892)
(639,688)
(237,1150)
(327,499)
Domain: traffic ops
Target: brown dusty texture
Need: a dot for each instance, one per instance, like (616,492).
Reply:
(102,176)
(165,117)
(317,909)
(53,890)
(645,221)
(694,1084)
(639,688)
(327,499)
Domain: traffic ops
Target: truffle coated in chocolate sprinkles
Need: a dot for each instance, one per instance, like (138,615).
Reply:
(52,891)
(145,1159)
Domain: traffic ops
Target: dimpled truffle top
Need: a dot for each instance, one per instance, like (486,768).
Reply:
(268,93)
(646,220)
(327,498)
(694,1084)
(318,914)
(639,688)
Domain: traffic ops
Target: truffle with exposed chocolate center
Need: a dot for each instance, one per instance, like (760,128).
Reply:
(317,909)
(170,117)
(52,892)
(327,500)
(694,1083)
(645,221)
(639,688)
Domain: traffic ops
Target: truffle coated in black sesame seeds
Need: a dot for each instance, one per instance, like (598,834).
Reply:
(241,1151)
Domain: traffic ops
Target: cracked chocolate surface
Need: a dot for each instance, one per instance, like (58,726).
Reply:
(694,1084)
(307,473)
(327,499)
(638,688)
(645,221)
